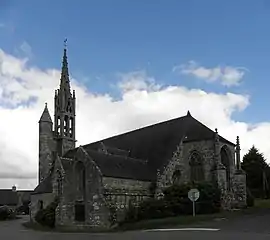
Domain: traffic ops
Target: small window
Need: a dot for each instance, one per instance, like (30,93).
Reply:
(79,212)
(40,204)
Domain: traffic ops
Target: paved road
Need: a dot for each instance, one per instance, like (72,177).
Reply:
(256,226)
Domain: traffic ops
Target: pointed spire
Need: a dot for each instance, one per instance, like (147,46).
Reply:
(45,117)
(188,114)
(237,150)
(64,81)
(237,143)
(216,135)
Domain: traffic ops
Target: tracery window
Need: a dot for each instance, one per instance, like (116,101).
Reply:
(80,175)
(196,167)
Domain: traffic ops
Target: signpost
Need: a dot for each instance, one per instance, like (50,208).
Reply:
(193,196)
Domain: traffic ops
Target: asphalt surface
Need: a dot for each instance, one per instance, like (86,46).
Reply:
(255,226)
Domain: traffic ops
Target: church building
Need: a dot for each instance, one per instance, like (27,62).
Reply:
(91,179)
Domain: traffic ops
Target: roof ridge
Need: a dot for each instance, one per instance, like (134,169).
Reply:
(138,129)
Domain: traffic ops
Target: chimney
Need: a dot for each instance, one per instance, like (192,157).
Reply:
(14,188)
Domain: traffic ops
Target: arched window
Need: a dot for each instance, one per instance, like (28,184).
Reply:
(59,183)
(176,177)
(40,204)
(196,167)
(80,175)
(225,160)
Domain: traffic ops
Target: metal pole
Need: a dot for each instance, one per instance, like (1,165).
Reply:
(193,208)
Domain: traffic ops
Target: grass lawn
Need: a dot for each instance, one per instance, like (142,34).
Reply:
(262,203)
(180,220)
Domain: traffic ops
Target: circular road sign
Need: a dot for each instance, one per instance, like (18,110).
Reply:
(193,194)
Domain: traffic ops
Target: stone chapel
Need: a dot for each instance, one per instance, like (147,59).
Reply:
(121,169)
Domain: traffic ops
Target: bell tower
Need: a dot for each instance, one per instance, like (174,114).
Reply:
(64,111)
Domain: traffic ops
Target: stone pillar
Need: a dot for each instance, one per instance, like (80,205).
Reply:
(237,151)
(220,170)
(239,184)
(220,173)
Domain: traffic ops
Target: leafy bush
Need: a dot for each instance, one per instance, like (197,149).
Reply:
(208,202)
(46,216)
(176,202)
(250,198)
(153,208)
(7,213)
(4,212)
(24,208)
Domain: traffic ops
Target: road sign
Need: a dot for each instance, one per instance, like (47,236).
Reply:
(193,195)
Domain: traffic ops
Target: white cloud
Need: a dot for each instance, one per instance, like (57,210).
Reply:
(227,75)
(137,80)
(142,102)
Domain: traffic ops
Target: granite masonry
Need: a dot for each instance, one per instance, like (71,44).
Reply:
(97,182)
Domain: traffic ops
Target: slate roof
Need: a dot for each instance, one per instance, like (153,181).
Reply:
(44,187)
(156,143)
(8,197)
(119,166)
(45,117)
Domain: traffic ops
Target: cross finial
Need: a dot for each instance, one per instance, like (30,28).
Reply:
(65,43)
(237,142)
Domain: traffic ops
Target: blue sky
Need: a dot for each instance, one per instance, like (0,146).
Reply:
(106,37)
(217,46)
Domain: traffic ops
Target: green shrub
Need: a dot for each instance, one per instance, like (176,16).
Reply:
(208,202)
(176,202)
(46,216)
(4,212)
(153,208)
(250,198)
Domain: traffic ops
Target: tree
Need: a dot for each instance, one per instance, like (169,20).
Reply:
(257,170)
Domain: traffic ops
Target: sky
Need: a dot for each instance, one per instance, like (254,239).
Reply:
(132,63)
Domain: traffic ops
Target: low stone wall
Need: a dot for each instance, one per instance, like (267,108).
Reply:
(120,193)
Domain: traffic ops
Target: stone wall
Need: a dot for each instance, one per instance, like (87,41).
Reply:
(239,190)
(120,193)
(46,147)
(46,198)
(96,212)
(180,160)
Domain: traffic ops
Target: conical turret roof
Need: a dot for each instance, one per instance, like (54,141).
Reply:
(45,117)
